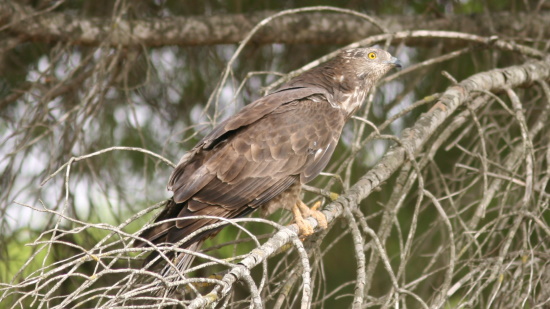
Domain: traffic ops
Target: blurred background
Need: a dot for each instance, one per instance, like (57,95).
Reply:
(78,78)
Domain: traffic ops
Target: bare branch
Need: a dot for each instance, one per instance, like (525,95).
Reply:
(307,28)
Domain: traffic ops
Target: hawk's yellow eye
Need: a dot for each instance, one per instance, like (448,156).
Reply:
(372,55)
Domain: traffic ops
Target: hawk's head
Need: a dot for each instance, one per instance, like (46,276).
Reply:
(368,63)
(347,77)
(354,72)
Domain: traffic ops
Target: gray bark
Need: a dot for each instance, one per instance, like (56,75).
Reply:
(321,27)
(410,144)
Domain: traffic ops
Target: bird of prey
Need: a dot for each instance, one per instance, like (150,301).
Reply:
(260,157)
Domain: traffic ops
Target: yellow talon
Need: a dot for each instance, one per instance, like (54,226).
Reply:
(300,211)
(316,206)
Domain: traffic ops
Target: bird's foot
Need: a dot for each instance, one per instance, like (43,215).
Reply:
(301,211)
(317,214)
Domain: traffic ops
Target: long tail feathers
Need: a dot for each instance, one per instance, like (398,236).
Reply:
(182,262)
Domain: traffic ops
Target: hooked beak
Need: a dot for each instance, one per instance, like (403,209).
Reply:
(395,62)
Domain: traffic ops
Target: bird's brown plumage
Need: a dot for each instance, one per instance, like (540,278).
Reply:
(260,156)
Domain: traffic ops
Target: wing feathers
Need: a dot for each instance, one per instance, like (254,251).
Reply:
(275,190)
(318,163)
(185,188)
(258,109)
(293,140)
(233,172)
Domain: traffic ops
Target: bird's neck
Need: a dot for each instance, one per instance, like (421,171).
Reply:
(346,90)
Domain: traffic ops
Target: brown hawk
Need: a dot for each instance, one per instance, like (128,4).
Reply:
(260,157)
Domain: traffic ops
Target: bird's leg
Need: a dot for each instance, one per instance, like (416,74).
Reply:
(300,210)
(304,228)
(315,213)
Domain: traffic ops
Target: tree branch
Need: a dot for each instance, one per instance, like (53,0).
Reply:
(411,142)
(305,28)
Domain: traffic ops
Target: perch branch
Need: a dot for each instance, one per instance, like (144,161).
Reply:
(411,142)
